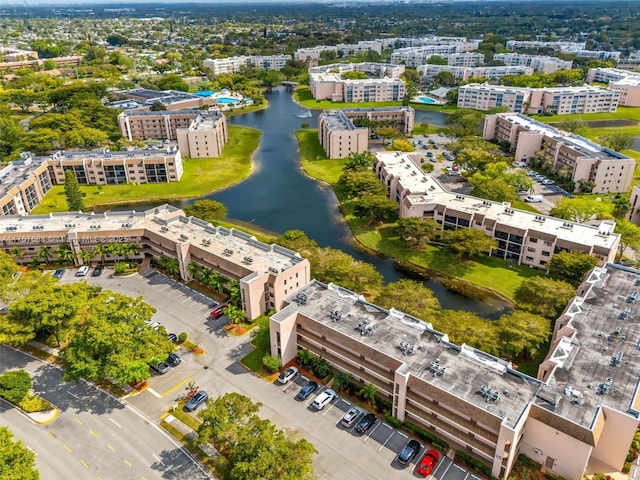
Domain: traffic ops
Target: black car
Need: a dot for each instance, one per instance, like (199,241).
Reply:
(173,337)
(408,452)
(307,390)
(97,271)
(366,423)
(173,360)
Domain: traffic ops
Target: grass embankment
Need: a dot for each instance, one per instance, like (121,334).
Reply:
(201,176)
(622,113)
(489,272)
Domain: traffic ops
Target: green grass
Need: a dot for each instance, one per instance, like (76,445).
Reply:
(201,176)
(313,159)
(188,419)
(253,361)
(622,113)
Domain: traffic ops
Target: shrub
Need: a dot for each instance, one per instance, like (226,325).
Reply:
(271,363)
(15,385)
(391,420)
(473,463)
(34,403)
(182,337)
(428,436)
(321,368)
(343,382)
(120,268)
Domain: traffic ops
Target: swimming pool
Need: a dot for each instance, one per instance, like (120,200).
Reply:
(226,100)
(425,100)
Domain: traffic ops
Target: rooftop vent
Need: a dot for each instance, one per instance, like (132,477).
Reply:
(437,369)
(38,227)
(567,224)
(301,298)
(633,297)
(248,259)
(364,328)
(164,228)
(489,394)
(183,237)
(274,270)
(206,242)
(335,315)
(509,211)
(460,197)
(605,387)
(227,252)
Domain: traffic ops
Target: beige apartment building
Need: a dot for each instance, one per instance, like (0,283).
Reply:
(339,136)
(539,63)
(205,137)
(266,273)
(522,237)
(624,81)
(235,64)
(462,74)
(70,61)
(143,125)
(24,183)
(577,417)
(606,169)
(634,202)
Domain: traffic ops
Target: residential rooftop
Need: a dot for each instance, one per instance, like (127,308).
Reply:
(337,120)
(422,350)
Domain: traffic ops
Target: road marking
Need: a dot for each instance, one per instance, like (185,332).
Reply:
(465,477)
(175,387)
(331,405)
(67,448)
(51,435)
(93,433)
(84,463)
(154,393)
(128,463)
(459,467)
(77,420)
(387,440)
(116,423)
(371,432)
(157,458)
(74,396)
(446,469)
(111,448)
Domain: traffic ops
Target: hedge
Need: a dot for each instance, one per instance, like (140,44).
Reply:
(425,435)
(474,463)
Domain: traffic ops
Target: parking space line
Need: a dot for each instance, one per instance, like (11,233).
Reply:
(154,393)
(311,400)
(371,432)
(175,387)
(387,440)
(465,477)
(458,467)
(446,469)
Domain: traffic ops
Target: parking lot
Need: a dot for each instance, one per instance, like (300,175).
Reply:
(342,453)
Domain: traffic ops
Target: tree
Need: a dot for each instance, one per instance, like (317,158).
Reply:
(17,253)
(465,122)
(332,265)
(207,210)
(342,382)
(157,106)
(571,267)
(368,393)
(522,334)
(15,385)
(409,296)
(375,209)
(629,235)
(235,293)
(437,60)
(271,362)
(467,327)
(387,132)
(173,81)
(544,296)
(474,154)
(621,206)
(86,256)
(360,161)
(225,419)
(467,243)
(235,314)
(416,232)
(194,270)
(428,167)
(44,254)
(114,341)
(72,192)
(297,241)
(446,79)
(402,145)
(357,183)
(16,460)
(617,141)
(578,209)
(65,253)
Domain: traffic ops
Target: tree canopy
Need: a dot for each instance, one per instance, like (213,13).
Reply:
(544,296)
(578,209)
(409,296)
(467,243)
(207,210)
(571,267)
(72,192)
(17,462)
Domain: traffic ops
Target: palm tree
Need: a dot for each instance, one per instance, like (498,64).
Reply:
(216,282)
(65,253)
(235,314)
(368,393)
(100,250)
(193,269)
(44,254)
(235,294)
(129,248)
(305,357)
(86,256)
(17,253)
(114,249)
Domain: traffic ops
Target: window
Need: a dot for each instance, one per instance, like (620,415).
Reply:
(545,253)
(531,249)
(533,240)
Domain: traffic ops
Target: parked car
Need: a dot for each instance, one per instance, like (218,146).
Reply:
(173,359)
(366,423)
(82,271)
(172,337)
(307,390)
(548,182)
(350,418)
(97,271)
(217,312)
(160,368)
(533,198)
(324,399)
(428,462)
(195,401)
(287,375)
(59,273)
(408,452)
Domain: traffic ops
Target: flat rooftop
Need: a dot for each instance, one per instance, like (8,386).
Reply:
(402,165)
(605,349)
(151,113)
(167,221)
(337,120)
(206,121)
(106,154)
(466,370)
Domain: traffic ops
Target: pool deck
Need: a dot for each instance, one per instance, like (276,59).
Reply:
(418,98)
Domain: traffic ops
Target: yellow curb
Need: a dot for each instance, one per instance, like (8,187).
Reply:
(165,415)
(176,386)
(260,375)
(56,411)
(199,354)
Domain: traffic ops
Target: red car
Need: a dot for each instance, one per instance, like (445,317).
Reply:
(427,462)
(217,312)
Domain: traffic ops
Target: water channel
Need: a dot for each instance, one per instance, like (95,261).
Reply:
(278,196)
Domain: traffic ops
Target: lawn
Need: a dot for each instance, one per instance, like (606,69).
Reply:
(622,113)
(313,159)
(201,176)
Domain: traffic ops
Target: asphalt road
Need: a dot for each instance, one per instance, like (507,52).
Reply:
(95,436)
(341,455)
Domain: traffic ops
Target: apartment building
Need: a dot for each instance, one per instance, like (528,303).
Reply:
(523,237)
(349,50)
(236,64)
(17,54)
(414,57)
(311,56)
(24,183)
(462,74)
(205,137)
(464,43)
(624,81)
(266,273)
(539,63)
(372,69)
(634,206)
(69,61)
(577,416)
(339,136)
(557,100)
(632,62)
(606,169)
(536,44)
(141,99)
(142,125)
(599,54)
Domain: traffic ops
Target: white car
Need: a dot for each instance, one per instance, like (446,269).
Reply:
(323,399)
(287,375)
